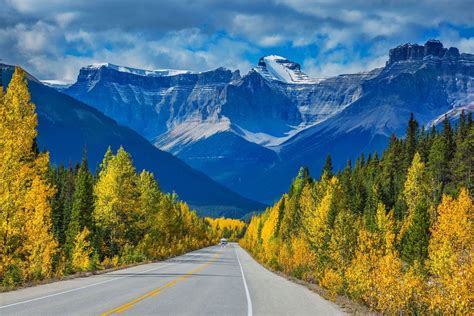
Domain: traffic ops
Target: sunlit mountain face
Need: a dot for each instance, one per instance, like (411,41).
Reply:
(255,130)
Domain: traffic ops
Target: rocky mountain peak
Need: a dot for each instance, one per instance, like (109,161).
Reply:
(411,52)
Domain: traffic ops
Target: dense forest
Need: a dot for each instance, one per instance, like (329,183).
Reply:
(60,220)
(395,232)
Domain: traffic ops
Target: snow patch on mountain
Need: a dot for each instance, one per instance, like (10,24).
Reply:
(279,68)
(451,114)
(267,140)
(190,131)
(58,84)
(141,72)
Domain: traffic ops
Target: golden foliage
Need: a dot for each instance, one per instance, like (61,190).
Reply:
(375,275)
(451,256)
(27,246)
(332,281)
(231,229)
(82,251)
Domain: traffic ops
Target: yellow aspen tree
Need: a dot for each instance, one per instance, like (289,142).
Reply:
(250,240)
(372,276)
(148,201)
(116,201)
(229,228)
(342,247)
(82,251)
(26,242)
(269,243)
(318,226)
(451,257)
(302,258)
(39,242)
(415,192)
(307,201)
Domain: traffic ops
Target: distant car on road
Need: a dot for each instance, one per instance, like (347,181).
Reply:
(223,242)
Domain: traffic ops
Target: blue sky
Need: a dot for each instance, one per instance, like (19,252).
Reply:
(54,38)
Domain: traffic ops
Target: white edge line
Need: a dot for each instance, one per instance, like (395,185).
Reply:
(249,301)
(86,286)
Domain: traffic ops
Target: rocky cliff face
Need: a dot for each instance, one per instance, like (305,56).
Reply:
(151,104)
(252,133)
(412,52)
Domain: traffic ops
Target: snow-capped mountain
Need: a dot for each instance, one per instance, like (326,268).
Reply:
(253,132)
(279,68)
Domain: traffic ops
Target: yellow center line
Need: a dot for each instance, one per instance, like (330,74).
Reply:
(156,291)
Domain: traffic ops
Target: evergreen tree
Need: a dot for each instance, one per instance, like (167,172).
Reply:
(392,173)
(411,140)
(327,169)
(82,206)
(463,163)
(415,240)
(437,167)
(448,137)
(463,128)
(346,188)
(64,180)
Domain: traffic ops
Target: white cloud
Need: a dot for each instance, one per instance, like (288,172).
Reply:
(317,69)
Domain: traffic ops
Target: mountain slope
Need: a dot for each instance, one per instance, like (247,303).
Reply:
(252,132)
(429,86)
(67,125)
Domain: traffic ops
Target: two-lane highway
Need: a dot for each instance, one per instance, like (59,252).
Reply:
(211,281)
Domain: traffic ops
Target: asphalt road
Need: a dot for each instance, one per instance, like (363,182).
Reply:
(211,281)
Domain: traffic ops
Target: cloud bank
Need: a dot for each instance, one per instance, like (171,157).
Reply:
(54,38)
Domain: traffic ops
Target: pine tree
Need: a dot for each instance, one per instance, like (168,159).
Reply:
(448,137)
(438,167)
(463,128)
(82,206)
(462,165)
(415,241)
(63,201)
(83,201)
(327,169)
(411,140)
